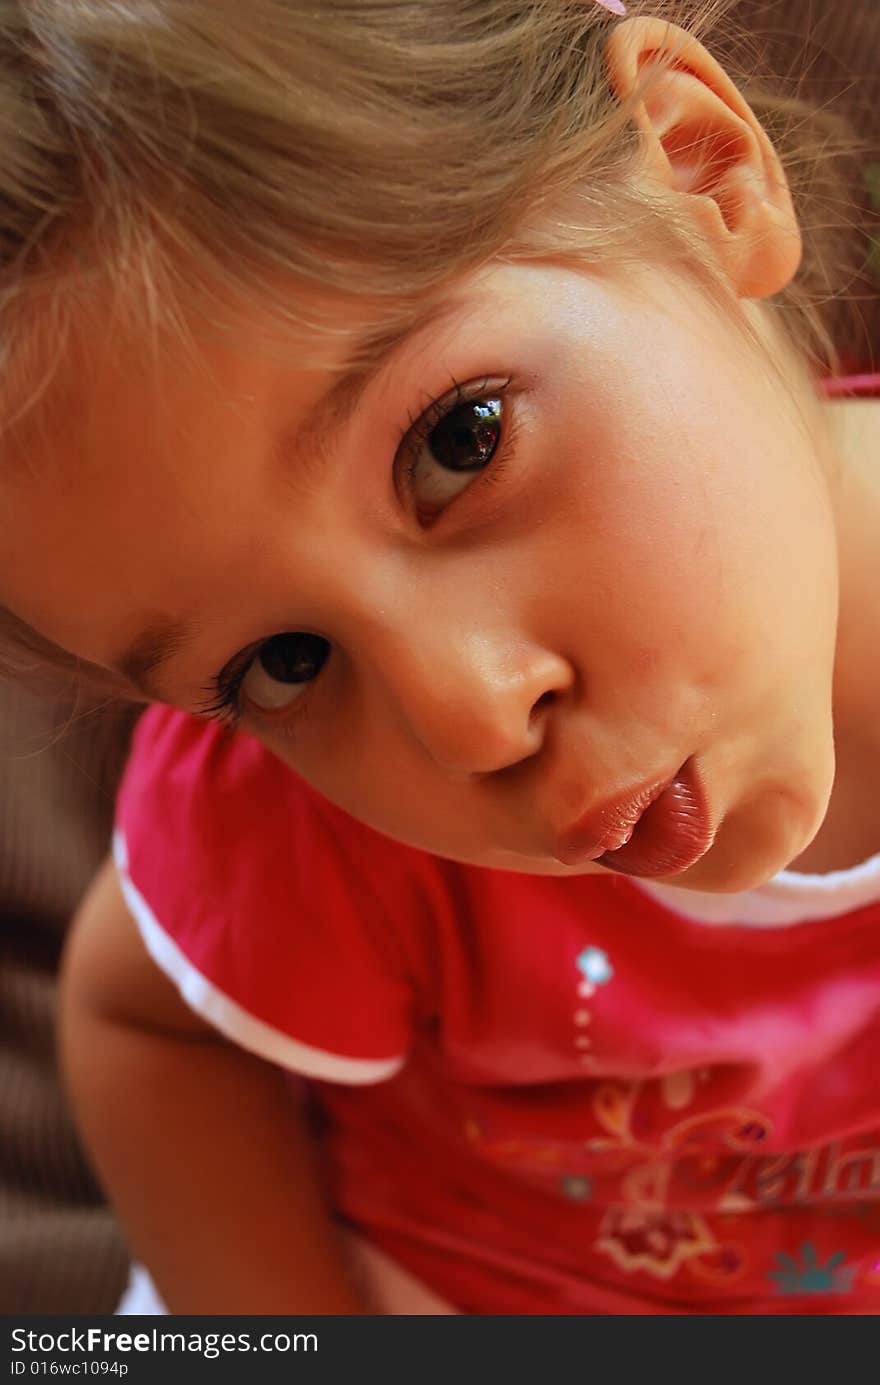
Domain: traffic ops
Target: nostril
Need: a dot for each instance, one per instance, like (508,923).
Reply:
(544,701)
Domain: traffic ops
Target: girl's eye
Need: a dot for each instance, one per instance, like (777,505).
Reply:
(282,668)
(449,446)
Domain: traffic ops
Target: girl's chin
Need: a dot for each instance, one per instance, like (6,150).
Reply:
(728,868)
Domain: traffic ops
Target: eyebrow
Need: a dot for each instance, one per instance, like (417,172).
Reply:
(310,445)
(156,644)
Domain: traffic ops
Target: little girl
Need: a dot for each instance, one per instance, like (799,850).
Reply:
(422,402)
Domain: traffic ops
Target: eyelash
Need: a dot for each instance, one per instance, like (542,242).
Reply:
(223,701)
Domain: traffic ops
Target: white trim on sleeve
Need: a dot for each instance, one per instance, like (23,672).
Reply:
(225,1014)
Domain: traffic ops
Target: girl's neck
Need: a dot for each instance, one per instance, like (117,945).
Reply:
(851,830)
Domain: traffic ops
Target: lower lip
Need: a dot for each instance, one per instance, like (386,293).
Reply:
(672,833)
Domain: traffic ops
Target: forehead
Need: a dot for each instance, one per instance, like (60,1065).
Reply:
(126,419)
(72,412)
(154,446)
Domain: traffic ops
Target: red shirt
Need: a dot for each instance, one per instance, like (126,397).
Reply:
(541,1095)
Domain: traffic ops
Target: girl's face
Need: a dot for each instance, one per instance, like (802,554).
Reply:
(572,537)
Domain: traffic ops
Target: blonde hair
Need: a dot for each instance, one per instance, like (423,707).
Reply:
(166,155)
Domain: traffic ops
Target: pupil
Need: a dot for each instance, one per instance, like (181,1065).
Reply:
(296,658)
(467,437)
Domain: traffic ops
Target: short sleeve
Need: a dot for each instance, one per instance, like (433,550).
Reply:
(269,909)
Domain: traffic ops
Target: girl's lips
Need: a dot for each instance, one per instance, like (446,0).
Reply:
(662,829)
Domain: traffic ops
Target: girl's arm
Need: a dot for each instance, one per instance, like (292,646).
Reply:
(200,1146)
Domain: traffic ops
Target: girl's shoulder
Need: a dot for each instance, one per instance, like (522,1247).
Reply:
(217,808)
(274,915)
(852,405)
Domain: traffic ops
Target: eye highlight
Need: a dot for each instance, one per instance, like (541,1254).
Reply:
(456,438)
(272,677)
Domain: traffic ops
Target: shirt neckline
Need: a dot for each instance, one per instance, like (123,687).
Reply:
(789,898)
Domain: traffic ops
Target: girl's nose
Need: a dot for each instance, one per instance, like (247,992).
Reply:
(477,703)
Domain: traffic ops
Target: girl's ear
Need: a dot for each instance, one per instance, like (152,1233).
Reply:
(701,139)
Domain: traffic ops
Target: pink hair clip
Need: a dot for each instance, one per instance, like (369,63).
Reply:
(613,6)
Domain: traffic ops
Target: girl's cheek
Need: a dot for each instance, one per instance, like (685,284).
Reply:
(645,662)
